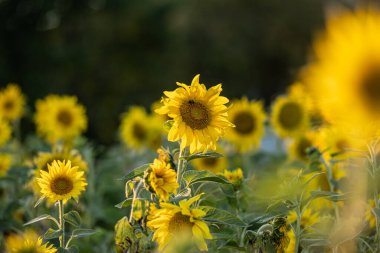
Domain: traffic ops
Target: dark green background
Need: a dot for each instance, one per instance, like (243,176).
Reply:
(115,53)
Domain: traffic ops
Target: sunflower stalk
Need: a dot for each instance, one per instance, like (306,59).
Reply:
(181,164)
(61,224)
(135,195)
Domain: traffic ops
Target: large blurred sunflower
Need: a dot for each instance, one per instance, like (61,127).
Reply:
(60,118)
(28,242)
(5,132)
(345,75)
(290,116)
(61,182)
(141,130)
(5,164)
(199,115)
(248,118)
(171,221)
(12,102)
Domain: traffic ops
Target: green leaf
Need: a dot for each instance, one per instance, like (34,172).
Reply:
(195,176)
(125,203)
(208,154)
(39,201)
(221,216)
(168,124)
(328,195)
(78,233)
(51,234)
(73,218)
(41,218)
(137,172)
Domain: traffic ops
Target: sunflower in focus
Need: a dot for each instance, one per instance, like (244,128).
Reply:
(171,221)
(199,115)
(12,102)
(139,129)
(248,118)
(161,179)
(61,182)
(290,116)
(28,242)
(5,164)
(5,132)
(60,118)
(214,164)
(344,78)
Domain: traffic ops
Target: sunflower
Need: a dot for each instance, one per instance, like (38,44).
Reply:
(344,78)
(171,221)
(309,218)
(5,132)
(161,179)
(12,102)
(234,176)
(199,115)
(5,164)
(64,154)
(369,215)
(298,147)
(61,182)
(60,118)
(139,129)
(290,116)
(248,118)
(213,164)
(27,242)
(290,248)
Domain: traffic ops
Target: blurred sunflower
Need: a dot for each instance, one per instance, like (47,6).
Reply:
(290,248)
(298,147)
(5,164)
(12,102)
(64,154)
(61,182)
(28,242)
(199,115)
(344,78)
(234,176)
(170,221)
(248,118)
(309,218)
(60,118)
(161,179)
(139,130)
(290,117)
(213,164)
(5,132)
(369,215)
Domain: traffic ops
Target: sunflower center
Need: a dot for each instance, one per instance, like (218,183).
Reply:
(209,162)
(139,131)
(341,145)
(65,118)
(290,115)
(8,105)
(61,185)
(244,122)
(28,250)
(302,147)
(371,88)
(195,114)
(179,223)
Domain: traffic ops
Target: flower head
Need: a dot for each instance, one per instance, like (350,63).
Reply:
(199,115)
(27,242)
(5,164)
(12,102)
(234,176)
(61,181)
(5,132)
(170,221)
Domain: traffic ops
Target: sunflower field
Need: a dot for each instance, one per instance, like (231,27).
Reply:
(200,171)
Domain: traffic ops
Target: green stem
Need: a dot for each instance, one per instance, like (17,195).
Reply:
(61,223)
(298,229)
(135,194)
(181,165)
